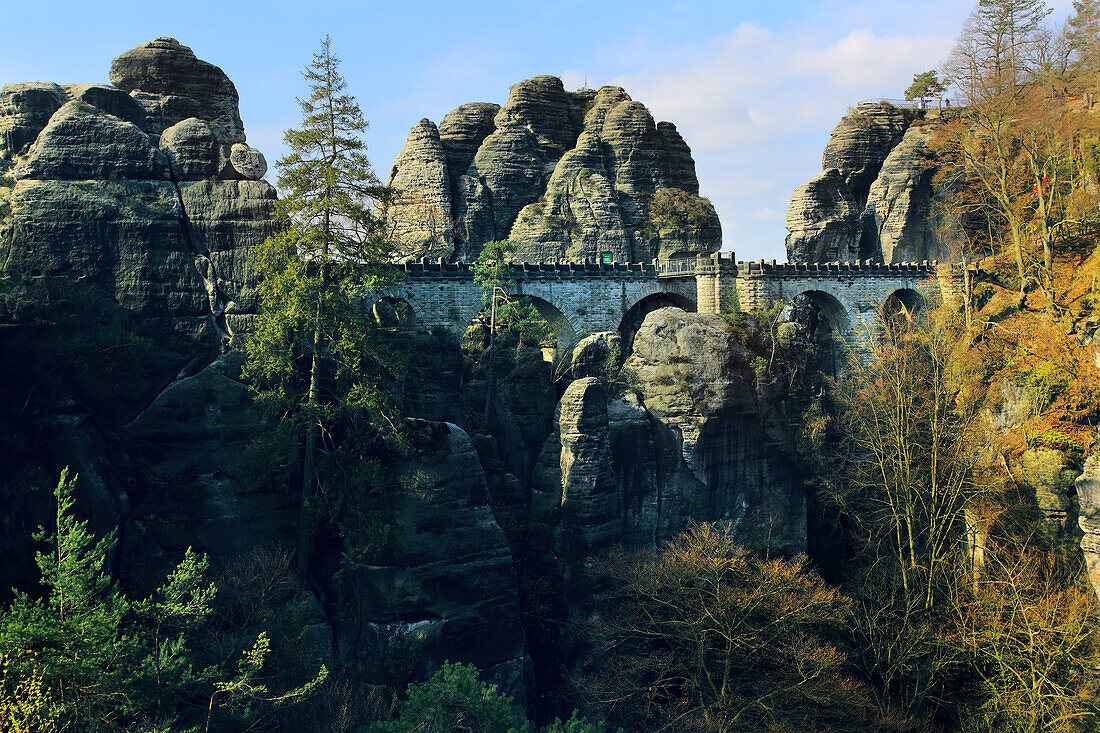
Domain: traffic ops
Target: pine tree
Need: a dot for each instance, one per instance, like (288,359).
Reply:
(1083,33)
(315,361)
(76,629)
(997,47)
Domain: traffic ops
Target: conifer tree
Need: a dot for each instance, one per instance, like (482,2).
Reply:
(314,359)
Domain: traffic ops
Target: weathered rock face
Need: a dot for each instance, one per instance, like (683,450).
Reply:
(861,141)
(899,223)
(152,216)
(720,442)
(563,175)
(591,355)
(448,591)
(190,452)
(166,68)
(589,503)
(81,142)
(879,168)
(1048,475)
(422,212)
(1088,496)
(823,221)
(24,110)
(700,441)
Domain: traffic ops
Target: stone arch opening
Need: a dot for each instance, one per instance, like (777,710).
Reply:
(635,315)
(525,318)
(901,309)
(827,325)
(563,330)
(394,314)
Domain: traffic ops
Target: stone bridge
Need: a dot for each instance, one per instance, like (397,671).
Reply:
(582,298)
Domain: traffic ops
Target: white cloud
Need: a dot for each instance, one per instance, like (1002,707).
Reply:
(756,105)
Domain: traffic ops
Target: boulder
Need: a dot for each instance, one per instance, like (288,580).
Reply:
(461,133)
(248,162)
(25,109)
(1048,476)
(81,142)
(591,355)
(192,149)
(165,110)
(165,67)
(111,100)
(190,449)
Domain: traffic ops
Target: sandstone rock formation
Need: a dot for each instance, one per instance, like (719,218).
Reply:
(874,199)
(720,442)
(699,441)
(591,355)
(422,212)
(133,210)
(448,590)
(823,220)
(563,175)
(899,220)
(1088,496)
(165,68)
(156,214)
(861,141)
(590,506)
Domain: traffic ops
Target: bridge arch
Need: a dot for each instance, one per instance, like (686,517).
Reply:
(829,324)
(904,302)
(636,313)
(394,313)
(564,330)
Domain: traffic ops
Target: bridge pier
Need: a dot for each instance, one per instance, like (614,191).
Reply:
(716,283)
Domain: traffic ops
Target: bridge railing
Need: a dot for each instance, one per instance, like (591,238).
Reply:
(858,268)
(683,267)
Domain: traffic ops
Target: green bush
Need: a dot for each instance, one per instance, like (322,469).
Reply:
(455,700)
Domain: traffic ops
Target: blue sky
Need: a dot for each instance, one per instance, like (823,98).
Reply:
(755,88)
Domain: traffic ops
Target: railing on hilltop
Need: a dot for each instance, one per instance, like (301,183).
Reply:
(906,103)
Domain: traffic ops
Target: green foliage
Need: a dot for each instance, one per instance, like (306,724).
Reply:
(76,630)
(677,211)
(493,270)
(455,700)
(316,363)
(26,702)
(84,657)
(514,320)
(1055,440)
(926,84)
